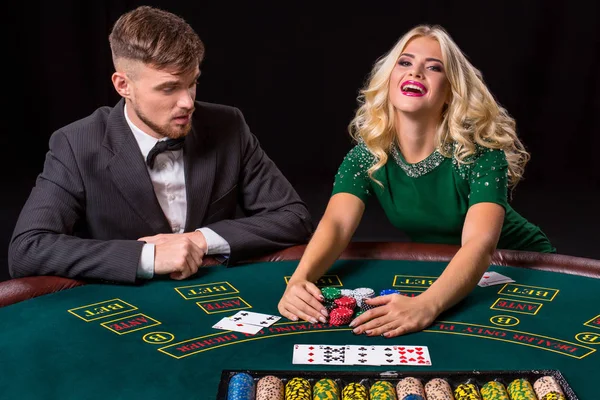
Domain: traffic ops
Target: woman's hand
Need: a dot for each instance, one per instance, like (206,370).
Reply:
(395,315)
(302,300)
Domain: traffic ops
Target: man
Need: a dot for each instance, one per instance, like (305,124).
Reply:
(150,186)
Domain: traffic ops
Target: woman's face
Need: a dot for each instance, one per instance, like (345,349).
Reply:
(418,84)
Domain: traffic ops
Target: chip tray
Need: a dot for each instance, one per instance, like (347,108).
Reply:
(454,378)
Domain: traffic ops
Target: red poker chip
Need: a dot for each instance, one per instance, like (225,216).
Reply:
(346,301)
(340,316)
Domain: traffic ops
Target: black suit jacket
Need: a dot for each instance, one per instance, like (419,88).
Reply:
(94,198)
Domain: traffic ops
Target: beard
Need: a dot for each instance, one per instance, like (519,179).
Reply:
(170,131)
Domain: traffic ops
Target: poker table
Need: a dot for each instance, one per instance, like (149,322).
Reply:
(69,339)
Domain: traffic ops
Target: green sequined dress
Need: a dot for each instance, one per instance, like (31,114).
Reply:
(429,200)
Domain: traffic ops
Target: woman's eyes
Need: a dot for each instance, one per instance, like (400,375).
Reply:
(405,63)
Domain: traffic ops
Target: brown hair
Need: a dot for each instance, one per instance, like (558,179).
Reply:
(157,38)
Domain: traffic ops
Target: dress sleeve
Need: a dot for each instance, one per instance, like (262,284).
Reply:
(352,176)
(489,178)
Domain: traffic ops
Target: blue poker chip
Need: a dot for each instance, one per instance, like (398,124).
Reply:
(413,397)
(385,292)
(241,387)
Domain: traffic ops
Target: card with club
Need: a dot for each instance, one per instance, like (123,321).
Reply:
(254,318)
(366,355)
(230,325)
(493,278)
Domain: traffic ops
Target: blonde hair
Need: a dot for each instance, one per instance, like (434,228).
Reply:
(473,117)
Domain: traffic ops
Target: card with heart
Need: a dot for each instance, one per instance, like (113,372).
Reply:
(412,355)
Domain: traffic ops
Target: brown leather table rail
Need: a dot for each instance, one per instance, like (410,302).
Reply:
(15,290)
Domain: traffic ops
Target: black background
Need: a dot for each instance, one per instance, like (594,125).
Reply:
(295,73)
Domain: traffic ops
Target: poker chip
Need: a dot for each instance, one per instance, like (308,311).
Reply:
(385,292)
(467,391)
(547,388)
(365,307)
(331,293)
(329,305)
(241,387)
(410,388)
(347,292)
(364,292)
(269,388)
(340,316)
(345,301)
(494,390)
(382,390)
(355,391)
(553,396)
(298,389)
(359,313)
(520,389)
(438,389)
(326,389)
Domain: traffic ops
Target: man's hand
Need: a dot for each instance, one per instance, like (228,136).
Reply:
(177,254)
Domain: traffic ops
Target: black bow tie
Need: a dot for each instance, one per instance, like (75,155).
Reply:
(164,145)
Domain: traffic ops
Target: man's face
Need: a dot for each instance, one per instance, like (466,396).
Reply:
(162,101)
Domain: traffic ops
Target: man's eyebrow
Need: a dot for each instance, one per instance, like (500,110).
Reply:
(427,59)
(166,84)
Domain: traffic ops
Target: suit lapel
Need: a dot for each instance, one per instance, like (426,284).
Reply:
(200,165)
(129,172)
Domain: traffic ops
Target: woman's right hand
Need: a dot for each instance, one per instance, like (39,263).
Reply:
(302,300)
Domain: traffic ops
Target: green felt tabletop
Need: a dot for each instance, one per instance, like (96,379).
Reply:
(156,340)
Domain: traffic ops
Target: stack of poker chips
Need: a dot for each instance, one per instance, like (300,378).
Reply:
(467,391)
(494,390)
(438,389)
(326,389)
(341,303)
(343,312)
(344,304)
(355,391)
(382,390)
(410,388)
(520,389)
(362,294)
(269,388)
(298,389)
(547,388)
(241,387)
(330,294)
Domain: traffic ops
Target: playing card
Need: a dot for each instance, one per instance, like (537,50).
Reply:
(230,325)
(318,354)
(412,355)
(493,278)
(368,355)
(254,318)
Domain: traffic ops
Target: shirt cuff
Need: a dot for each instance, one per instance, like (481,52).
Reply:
(145,268)
(214,242)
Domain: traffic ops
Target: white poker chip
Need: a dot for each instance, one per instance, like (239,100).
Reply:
(364,292)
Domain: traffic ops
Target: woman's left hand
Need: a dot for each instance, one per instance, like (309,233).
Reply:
(395,315)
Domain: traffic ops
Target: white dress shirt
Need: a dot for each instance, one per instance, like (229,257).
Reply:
(168,180)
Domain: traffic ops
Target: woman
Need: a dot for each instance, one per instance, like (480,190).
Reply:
(439,154)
